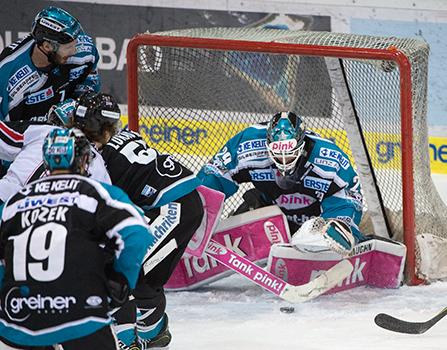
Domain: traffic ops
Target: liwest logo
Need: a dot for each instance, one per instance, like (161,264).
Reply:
(295,201)
(330,153)
(316,184)
(48,200)
(40,96)
(262,175)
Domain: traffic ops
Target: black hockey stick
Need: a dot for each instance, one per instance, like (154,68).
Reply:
(394,324)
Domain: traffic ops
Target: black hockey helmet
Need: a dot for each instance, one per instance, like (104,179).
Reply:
(95,113)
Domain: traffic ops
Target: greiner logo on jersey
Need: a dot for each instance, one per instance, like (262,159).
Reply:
(18,76)
(330,153)
(251,145)
(19,307)
(262,175)
(316,183)
(294,201)
(40,96)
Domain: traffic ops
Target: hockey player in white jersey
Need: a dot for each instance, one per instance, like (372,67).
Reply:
(310,178)
(21,143)
(57,281)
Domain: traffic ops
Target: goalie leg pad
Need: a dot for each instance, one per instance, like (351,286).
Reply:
(377,262)
(248,234)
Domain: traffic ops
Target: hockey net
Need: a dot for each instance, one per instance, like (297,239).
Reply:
(191,90)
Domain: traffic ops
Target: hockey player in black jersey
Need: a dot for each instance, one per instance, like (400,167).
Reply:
(165,190)
(58,282)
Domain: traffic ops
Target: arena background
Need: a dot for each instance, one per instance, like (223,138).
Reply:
(112,22)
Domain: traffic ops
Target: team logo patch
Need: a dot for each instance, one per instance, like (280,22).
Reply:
(93,301)
(148,191)
(316,184)
(40,96)
(332,154)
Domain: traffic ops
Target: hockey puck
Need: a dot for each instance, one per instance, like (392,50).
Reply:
(287,309)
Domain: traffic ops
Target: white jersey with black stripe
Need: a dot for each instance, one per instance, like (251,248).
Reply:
(21,143)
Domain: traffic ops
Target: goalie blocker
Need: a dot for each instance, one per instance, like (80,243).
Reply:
(262,235)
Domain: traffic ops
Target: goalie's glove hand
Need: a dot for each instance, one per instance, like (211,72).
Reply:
(118,288)
(339,237)
(318,234)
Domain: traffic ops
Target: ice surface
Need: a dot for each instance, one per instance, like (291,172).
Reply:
(234,314)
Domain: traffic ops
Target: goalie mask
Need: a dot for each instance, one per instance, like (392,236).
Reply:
(97,113)
(67,149)
(285,141)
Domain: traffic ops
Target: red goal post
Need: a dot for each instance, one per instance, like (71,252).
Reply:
(170,51)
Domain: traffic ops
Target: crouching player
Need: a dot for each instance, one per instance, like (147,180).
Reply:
(57,283)
(305,175)
(308,177)
(168,194)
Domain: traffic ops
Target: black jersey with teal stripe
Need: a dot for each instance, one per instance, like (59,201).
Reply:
(53,234)
(150,179)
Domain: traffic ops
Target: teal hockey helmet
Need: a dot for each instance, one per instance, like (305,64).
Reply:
(285,141)
(61,113)
(55,25)
(66,149)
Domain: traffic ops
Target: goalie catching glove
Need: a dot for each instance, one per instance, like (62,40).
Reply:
(317,234)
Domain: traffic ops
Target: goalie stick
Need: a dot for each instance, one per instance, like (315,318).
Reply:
(396,325)
(293,294)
